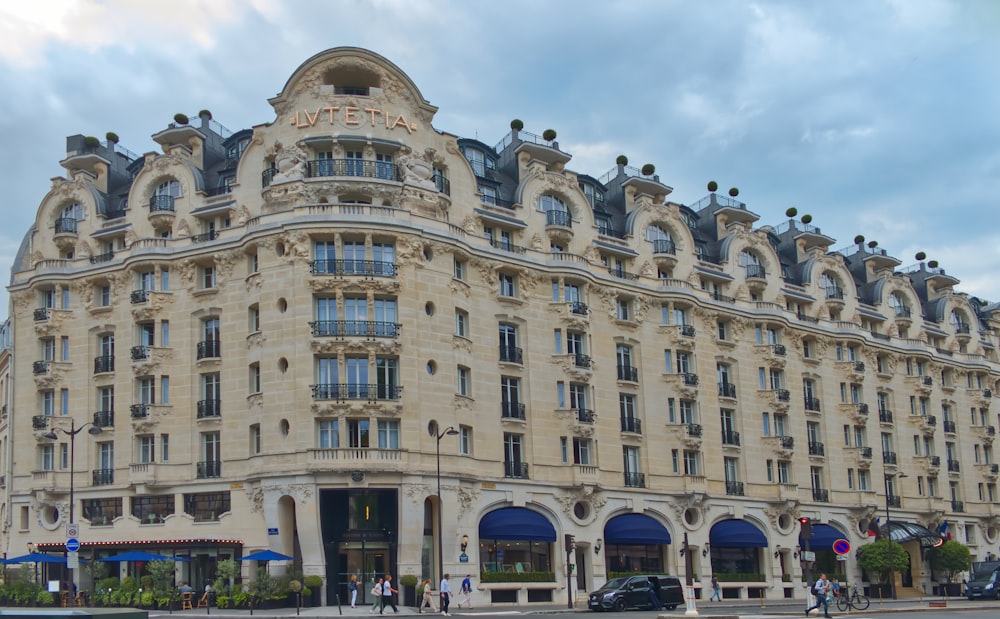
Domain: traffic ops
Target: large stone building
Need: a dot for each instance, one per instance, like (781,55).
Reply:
(296,336)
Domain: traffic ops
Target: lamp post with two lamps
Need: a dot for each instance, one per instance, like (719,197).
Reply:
(888,535)
(71,433)
(439,434)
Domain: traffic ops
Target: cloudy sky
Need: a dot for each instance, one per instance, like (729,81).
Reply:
(877,117)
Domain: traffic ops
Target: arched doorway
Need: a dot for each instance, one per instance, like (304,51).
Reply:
(635,543)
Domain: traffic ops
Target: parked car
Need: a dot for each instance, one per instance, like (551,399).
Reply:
(633,592)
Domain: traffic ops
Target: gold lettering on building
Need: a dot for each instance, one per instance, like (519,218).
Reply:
(350,116)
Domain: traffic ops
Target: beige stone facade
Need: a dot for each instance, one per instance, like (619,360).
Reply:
(275,328)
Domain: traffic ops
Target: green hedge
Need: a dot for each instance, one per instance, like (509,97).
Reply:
(518,577)
(723,577)
(627,574)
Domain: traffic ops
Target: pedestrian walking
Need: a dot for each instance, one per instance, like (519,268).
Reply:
(428,599)
(352,586)
(376,596)
(387,592)
(465,592)
(445,590)
(716,590)
(822,590)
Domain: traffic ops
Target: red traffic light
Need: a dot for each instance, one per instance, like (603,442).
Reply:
(803,521)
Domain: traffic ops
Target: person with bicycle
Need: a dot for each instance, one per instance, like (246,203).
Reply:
(850,598)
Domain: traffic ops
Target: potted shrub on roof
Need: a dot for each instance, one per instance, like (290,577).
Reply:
(548,135)
(807,218)
(648,169)
(90,142)
(181,119)
(713,186)
(621,160)
(791,212)
(733,192)
(517,124)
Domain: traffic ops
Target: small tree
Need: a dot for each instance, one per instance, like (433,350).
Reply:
(951,558)
(517,124)
(162,573)
(807,218)
(874,558)
(548,135)
(734,191)
(226,573)
(713,186)
(621,160)
(791,212)
(648,169)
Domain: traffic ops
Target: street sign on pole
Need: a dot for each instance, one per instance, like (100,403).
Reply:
(73,560)
(842,547)
(808,555)
(72,530)
(72,544)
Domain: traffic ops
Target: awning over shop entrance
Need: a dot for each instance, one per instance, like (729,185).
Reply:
(635,529)
(824,535)
(902,532)
(735,533)
(516,523)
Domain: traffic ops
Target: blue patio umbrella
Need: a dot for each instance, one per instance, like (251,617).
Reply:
(35,557)
(266,555)
(138,555)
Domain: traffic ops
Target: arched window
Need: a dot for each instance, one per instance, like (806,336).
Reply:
(829,282)
(751,262)
(171,188)
(662,242)
(556,212)
(898,305)
(958,321)
(72,211)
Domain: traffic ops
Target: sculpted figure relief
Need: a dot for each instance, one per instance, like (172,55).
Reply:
(290,162)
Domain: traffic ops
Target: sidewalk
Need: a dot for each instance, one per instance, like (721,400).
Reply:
(727,608)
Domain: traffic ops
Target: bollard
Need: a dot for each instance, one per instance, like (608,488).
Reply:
(763,596)
(340,611)
(689,600)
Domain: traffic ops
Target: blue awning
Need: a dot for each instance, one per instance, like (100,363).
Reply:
(824,536)
(516,523)
(635,529)
(736,534)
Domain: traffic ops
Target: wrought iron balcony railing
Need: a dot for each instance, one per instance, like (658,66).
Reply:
(954,466)
(104,363)
(104,419)
(103,477)
(727,390)
(355,391)
(734,488)
(817,448)
(885,416)
(578,308)
(139,353)
(511,354)
(889,457)
(690,379)
(821,495)
(635,480)
(209,469)
(730,437)
(585,415)
(208,409)
(139,411)
(694,430)
(631,424)
(515,470)
(208,349)
(628,373)
(367,268)
(812,404)
(512,410)
(359,328)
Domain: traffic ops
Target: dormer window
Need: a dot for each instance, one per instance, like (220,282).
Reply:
(359,91)
(829,282)
(556,212)
(661,239)
(958,321)
(479,161)
(164,195)
(68,217)
(898,306)
(593,195)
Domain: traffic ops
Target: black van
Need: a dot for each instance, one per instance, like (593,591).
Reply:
(633,592)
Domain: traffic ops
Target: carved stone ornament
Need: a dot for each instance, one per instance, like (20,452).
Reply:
(774,511)
(584,494)
(417,493)
(255,496)
(466,497)
(691,500)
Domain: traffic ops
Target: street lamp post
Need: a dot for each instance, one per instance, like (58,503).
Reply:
(449,431)
(71,433)
(888,535)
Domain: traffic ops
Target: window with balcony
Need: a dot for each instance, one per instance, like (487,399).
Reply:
(629,415)
(510,352)
(634,477)
(515,466)
(726,379)
(210,405)
(164,195)
(556,211)
(511,406)
(730,434)
(810,394)
(146,445)
(627,371)
(210,465)
(692,465)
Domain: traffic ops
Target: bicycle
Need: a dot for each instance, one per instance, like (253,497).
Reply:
(855,600)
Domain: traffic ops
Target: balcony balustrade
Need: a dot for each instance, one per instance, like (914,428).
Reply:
(954,466)
(816,448)
(628,373)
(631,424)
(585,415)
(209,469)
(515,470)
(40,367)
(104,363)
(139,353)
(103,477)
(779,350)
(511,354)
(812,404)
(139,411)
(355,391)
(755,271)
(727,390)
(734,488)
(730,437)
(664,246)
(866,453)
(582,361)
(889,457)
(104,419)
(209,409)
(208,349)
(635,480)
(512,410)
(159,204)
(139,296)
(578,308)
(42,313)
(367,268)
(694,430)
(65,225)
(40,422)
(687,330)
(821,495)
(885,416)
(690,379)
(359,328)
(558,218)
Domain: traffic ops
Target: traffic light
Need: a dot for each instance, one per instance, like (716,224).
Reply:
(570,542)
(807,528)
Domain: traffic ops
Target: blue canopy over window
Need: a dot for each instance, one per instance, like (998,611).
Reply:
(516,523)
(635,529)
(823,537)
(736,534)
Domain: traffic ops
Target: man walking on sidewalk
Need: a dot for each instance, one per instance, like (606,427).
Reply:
(465,592)
(387,592)
(445,590)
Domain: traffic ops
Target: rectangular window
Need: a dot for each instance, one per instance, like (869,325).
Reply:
(208,277)
(388,434)
(64,401)
(564,449)
(64,348)
(328,434)
(461,323)
(459,269)
(850,479)
(557,334)
(253,318)
(465,440)
(255,434)
(769,466)
(46,457)
(165,333)
(48,403)
(561,394)
(507,283)
(691,463)
(165,280)
(164,447)
(463,381)
(146,449)
(165,389)
(63,456)
(255,378)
